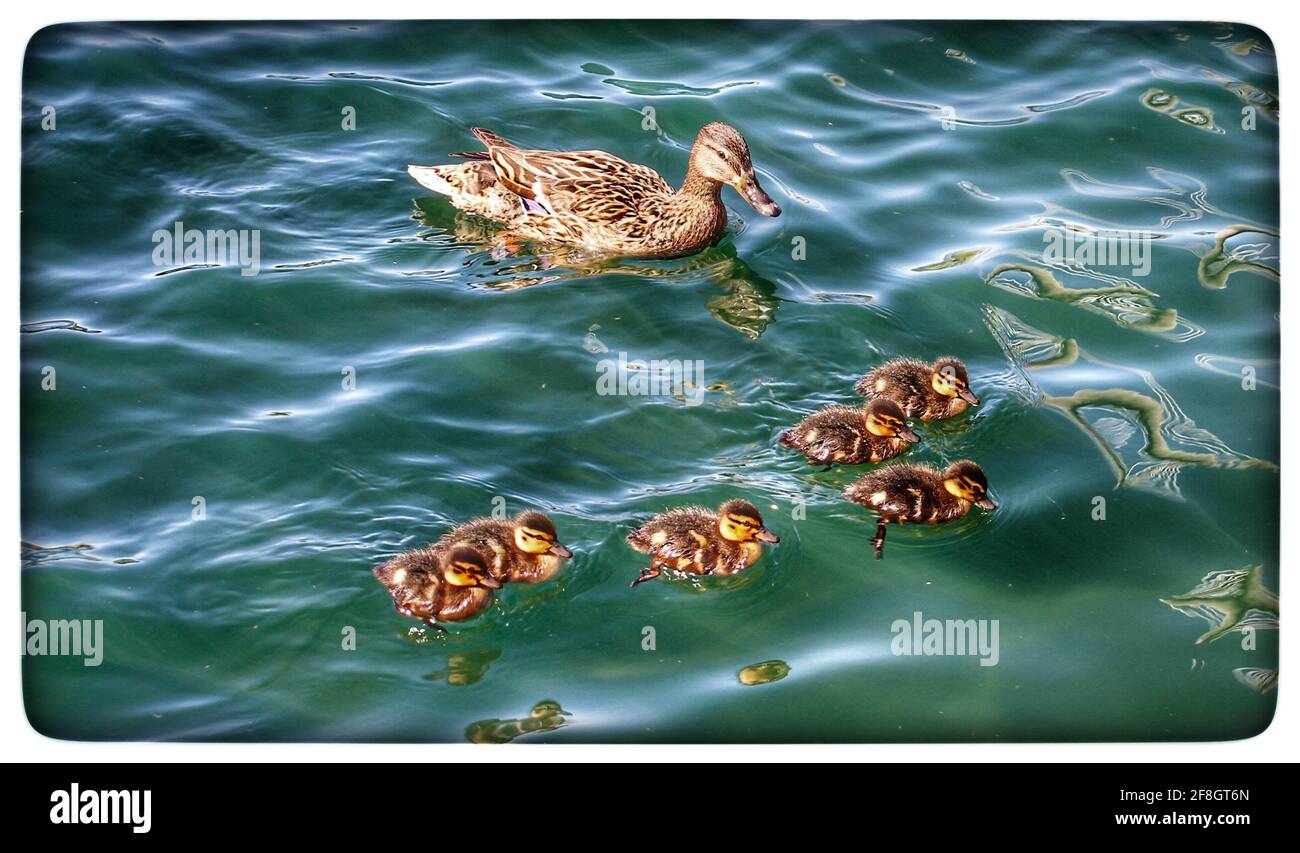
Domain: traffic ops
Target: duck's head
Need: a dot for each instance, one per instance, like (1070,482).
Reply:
(966,480)
(948,377)
(535,534)
(465,566)
(739,521)
(721,154)
(886,419)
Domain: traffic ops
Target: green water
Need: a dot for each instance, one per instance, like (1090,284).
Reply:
(889,147)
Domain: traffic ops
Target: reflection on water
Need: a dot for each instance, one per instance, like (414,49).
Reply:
(1230,600)
(1129,306)
(1259,680)
(747,302)
(1167,104)
(546,716)
(1219,264)
(763,673)
(952,259)
(466,668)
(1171,439)
(1158,420)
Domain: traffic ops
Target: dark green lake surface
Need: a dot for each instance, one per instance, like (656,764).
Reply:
(889,146)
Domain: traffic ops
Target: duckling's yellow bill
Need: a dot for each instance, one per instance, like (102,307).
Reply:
(560,551)
(906,434)
(765,535)
(489,582)
(755,195)
(969,396)
(985,503)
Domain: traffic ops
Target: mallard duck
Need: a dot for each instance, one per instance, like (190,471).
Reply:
(598,201)
(693,539)
(430,587)
(874,433)
(523,550)
(917,494)
(930,392)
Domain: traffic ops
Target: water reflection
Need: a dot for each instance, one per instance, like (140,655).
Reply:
(763,673)
(1126,305)
(1219,264)
(546,716)
(747,301)
(1259,680)
(466,668)
(1168,104)
(1230,600)
(1171,439)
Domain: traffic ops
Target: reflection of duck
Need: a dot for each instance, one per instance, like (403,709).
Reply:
(431,587)
(930,392)
(599,201)
(839,434)
(1226,600)
(697,541)
(546,716)
(524,550)
(917,494)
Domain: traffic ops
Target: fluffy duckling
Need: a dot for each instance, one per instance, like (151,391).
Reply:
(930,392)
(916,494)
(523,550)
(695,540)
(433,588)
(874,433)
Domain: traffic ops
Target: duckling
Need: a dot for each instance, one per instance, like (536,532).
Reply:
(874,433)
(525,550)
(930,392)
(917,494)
(428,587)
(693,539)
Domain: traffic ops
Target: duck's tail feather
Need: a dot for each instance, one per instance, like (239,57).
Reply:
(471,155)
(490,139)
(432,178)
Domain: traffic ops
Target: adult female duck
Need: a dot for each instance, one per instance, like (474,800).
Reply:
(600,202)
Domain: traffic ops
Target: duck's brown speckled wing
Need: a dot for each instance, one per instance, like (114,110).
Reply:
(590,184)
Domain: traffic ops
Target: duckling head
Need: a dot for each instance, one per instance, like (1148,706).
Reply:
(721,154)
(966,480)
(949,378)
(885,418)
(739,521)
(535,534)
(465,566)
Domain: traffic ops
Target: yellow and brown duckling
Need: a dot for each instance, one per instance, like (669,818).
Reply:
(600,202)
(433,588)
(930,392)
(917,494)
(839,434)
(697,541)
(525,549)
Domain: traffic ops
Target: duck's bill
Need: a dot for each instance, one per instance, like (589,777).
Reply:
(985,503)
(489,582)
(906,434)
(765,535)
(761,201)
(558,550)
(969,396)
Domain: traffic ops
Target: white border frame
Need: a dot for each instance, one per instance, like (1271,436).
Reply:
(21,743)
